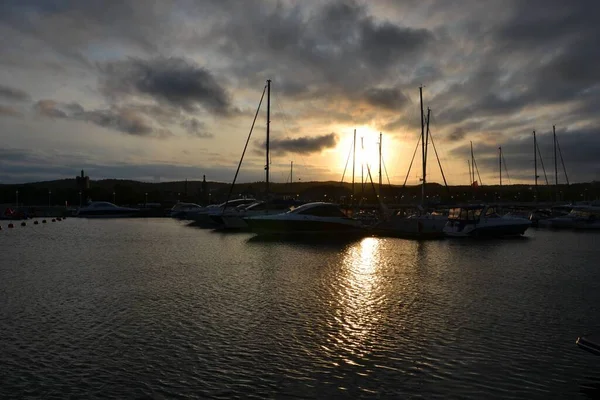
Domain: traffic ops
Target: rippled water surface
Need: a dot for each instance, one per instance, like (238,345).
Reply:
(154,308)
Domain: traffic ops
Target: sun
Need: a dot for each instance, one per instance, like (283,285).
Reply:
(367,151)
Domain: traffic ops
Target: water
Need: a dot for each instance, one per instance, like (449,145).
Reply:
(154,308)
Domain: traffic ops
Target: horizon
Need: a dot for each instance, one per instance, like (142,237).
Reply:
(169,92)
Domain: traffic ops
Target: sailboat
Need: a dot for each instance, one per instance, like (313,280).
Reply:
(420,225)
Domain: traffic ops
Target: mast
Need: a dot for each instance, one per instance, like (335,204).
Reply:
(268,132)
(535,165)
(291,173)
(353,161)
(362,169)
(472,165)
(380,181)
(469,164)
(425,159)
(555,162)
(422,143)
(500,163)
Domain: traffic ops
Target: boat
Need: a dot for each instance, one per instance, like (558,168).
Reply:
(180,210)
(104,209)
(233,219)
(483,221)
(580,217)
(202,216)
(419,223)
(589,343)
(311,218)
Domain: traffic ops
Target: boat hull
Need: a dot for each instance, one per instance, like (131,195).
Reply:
(109,214)
(418,228)
(474,230)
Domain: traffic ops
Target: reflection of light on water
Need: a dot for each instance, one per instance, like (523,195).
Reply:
(359,297)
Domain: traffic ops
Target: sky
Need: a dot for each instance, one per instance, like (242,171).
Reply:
(162,90)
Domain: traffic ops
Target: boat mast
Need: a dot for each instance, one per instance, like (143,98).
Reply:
(362,169)
(535,173)
(472,164)
(470,175)
(353,161)
(500,163)
(268,132)
(291,173)
(380,181)
(422,144)
(555,162)
(425,159)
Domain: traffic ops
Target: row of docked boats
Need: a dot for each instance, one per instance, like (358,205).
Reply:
(290,217)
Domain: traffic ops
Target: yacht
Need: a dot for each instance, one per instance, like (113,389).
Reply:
(416,224)
(310,218)
(180,210)
(203,216)
(104,209)
(580,217)
(483,221)
(233,219)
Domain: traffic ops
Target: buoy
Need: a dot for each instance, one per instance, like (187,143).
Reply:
(11,226)
(23,223)
(58,219)
(53,220)
(35,222)
(43,221)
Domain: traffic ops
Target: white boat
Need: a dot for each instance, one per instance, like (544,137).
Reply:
(104,209)
(203,216)
(581,217)
(483,221)
(180,210)
(234,218)
(311,218)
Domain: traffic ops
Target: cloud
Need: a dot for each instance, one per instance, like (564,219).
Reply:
(195,128)
(176,82)
(50,108)
(301,145)
(9,111)
(122,119)
(386,98)
(13,94)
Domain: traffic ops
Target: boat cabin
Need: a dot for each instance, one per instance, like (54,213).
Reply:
(472,213)
(319,210)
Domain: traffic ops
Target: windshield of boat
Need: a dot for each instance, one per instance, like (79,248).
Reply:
(102,204)
(465,214)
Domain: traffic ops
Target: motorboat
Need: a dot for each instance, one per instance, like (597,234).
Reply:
(581,217)
(416,224)
(483,221)
(104,209)
(311,218)
(202,217)
(233,219)
(180,210)
(543,217)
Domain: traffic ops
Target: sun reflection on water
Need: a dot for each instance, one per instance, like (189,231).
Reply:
(359,299)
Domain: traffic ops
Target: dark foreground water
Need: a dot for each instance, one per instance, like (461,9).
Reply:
(157,309)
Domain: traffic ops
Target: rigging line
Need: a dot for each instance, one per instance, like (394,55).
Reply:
(347,160)
(438,160)
(542,162)
(562,161)
(506,169)
(386,173)
(477,169)
(245,147)
(411,162)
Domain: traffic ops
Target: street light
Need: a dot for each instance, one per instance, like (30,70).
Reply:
(145,200)
(17,199)
(49,193)
(80,199)
(115,197)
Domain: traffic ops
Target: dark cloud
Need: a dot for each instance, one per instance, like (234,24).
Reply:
(50,108)
(9,111)
(386,98)
(301,145)
(122,119)
(176,82)
(195,128)
(13,94)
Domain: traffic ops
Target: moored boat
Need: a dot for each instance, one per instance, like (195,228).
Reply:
(311,218)
(483,221)
(104,209)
